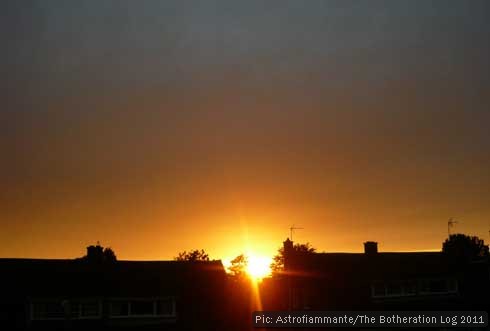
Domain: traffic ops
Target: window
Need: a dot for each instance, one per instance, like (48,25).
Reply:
(438,286)
(119,308)
(165,307)
(394,289)
(62,309)
(85,309)
(410,288)
(389,289)
(160,307)
(48,310)
(414,287)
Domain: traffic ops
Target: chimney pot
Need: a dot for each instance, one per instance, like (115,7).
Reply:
(370,247)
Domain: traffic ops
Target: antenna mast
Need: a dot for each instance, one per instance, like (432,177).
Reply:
(291,229)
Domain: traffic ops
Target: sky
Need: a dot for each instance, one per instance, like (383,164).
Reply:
(155,127)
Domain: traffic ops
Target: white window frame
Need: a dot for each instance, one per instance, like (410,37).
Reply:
(447,280)
(403,293)
(79,315)
(46,301)
(154,302)
(66,315)
(419,291)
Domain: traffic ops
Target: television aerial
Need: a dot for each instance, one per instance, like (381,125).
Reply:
(291,230)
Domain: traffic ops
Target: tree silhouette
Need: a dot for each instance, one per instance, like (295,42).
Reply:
(277,265)
(238,267)
(109,255)
(194,255)
(99,254)
(464,247)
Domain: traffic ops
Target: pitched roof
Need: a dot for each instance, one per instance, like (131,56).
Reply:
(378,265)
(40,277)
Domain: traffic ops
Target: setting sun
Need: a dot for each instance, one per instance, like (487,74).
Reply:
(258,267)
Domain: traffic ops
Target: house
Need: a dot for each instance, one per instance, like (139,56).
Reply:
(142,295)
(380,281)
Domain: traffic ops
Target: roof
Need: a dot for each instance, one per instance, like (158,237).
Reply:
(41,277)
(372,266)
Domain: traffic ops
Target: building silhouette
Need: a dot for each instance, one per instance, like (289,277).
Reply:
(83,295)
(380,281)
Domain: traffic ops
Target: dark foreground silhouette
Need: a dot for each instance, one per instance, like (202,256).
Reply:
(97,292)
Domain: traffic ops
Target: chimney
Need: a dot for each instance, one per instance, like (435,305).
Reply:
(288,252)
(91,251)
(370,247)
(95,253)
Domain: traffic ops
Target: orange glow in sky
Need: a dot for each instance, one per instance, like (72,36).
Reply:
(161,127)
